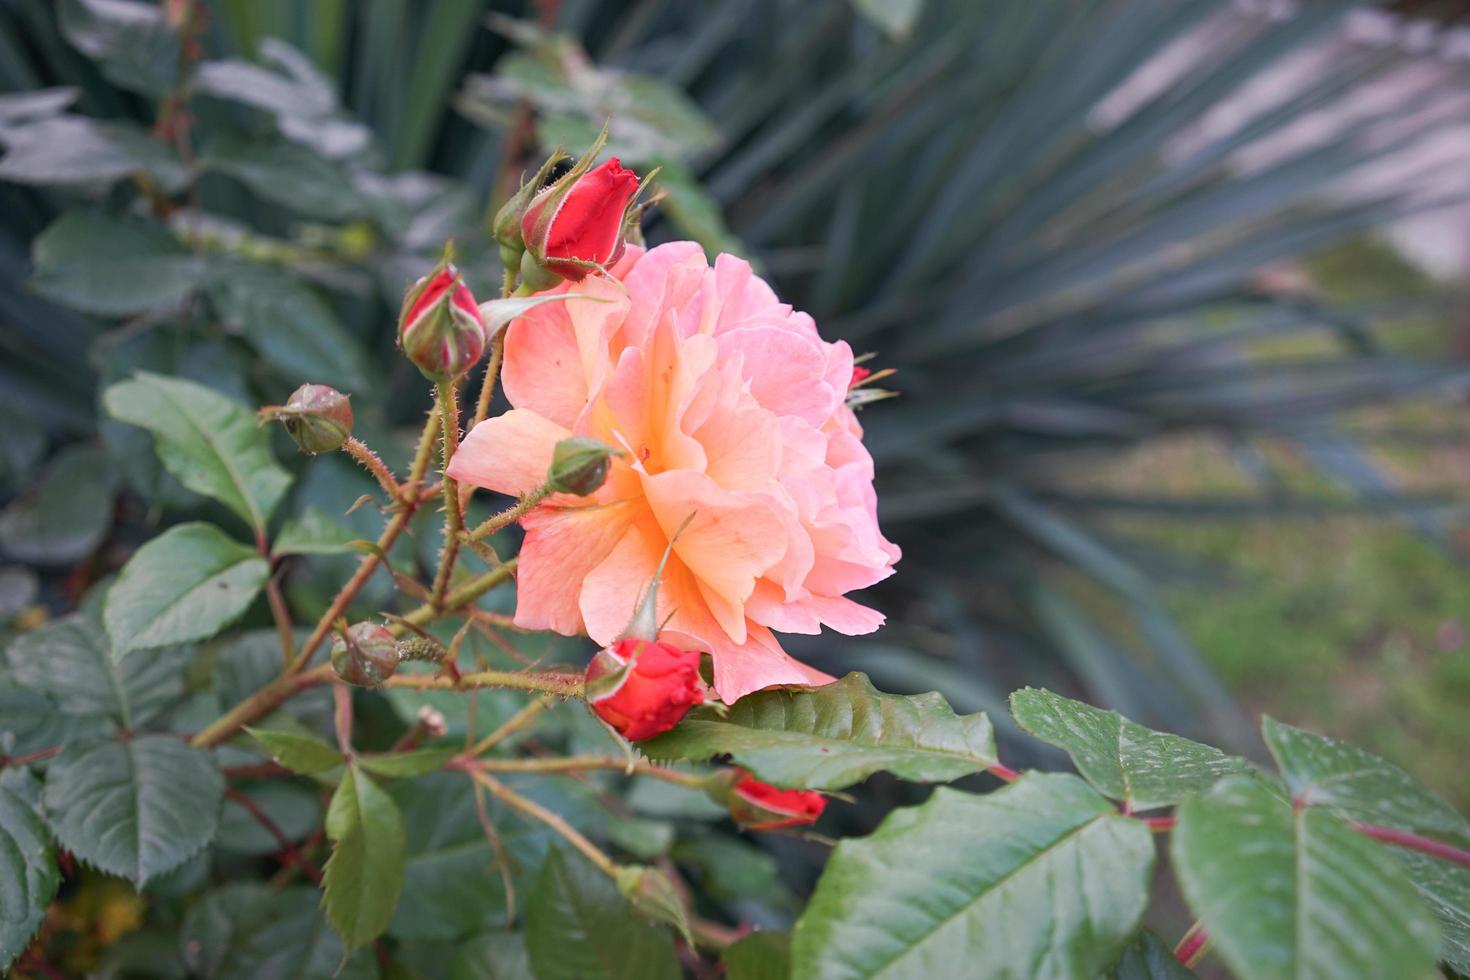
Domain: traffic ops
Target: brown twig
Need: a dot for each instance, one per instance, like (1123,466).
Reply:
(290,853)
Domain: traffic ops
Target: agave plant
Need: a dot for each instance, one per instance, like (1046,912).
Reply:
(1047,218)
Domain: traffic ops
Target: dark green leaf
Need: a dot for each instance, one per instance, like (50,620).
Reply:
(64,517)
(1294,892)
(97,263)
(896,18)
(833,736)
(133,41)
(759,956)
(212,444)
(1041,878)
(579,928)
(135,808)
(295,810)
(297,751)
(289,175)
(75,149)
(249,931)
(1121,758)
(186,584)
(492,956)
(364,876)
(28,874)
(70,663)
(1146,958)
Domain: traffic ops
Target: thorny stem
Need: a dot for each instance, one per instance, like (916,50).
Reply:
(510,515)
(448,395)
(582,763)
(407,503)
(492,372)
(262,702)
(561,685)
(530,808)
(371,462)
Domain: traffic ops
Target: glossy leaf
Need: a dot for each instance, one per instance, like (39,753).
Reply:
(1041,878)
(1123,759)
(1294,892)
(364,876)
(211,444)
(289,175)
(70,663)
(186,584)
(313,533)
(28,874)
(65,516)
(406,765)
(579,928)
(249,931)
(297,751)
(136,808)
(833,736)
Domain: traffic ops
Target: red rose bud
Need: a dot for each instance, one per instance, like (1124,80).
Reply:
(643,688)
(760,806)
(859,375)
(440,328)
(577,224)
(317,418)
(366,656)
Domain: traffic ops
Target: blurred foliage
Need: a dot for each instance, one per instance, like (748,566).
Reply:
(1043,238)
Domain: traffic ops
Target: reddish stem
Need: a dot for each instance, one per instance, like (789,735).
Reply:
(1415,842)
(1159,823)
(1191,946)
(290,853)
(25,760)
(1004,773)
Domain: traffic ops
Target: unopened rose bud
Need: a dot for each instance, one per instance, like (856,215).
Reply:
(651,892)
(317,418)
(577,223)
(366,656)
(433,722)
(760,806)
(643,688)
(579,466)
(440,328)
(506,228)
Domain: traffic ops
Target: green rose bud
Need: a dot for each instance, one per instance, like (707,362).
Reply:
(317,418)
(366,656)
(579,466)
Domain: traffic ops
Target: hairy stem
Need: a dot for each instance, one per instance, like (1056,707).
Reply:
(262,702)
(448,395)
(510,515)
(408,502)
(583,763)
(530,808)
(371,462)
(547,682)
(492,372)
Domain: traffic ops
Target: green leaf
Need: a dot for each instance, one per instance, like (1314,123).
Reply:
(1121,758)
(75,149)
(833,736)
(249,931)
(133,42)
(1294,892)
(297,751)
(1146,958)
(64,517)
(1041,878)
(1359,785)
(70,663)
(136,808)
(364,875)
(1321,771)
(492,956)
(762,955)
(28,875)
(291,325)
(211,444)
(896,18)
(579,928)
(186,584)
(289,175)
(97,263)
(313,533)
(406,765)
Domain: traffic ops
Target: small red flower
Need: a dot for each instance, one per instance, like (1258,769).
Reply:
(761,806)
(642,689)
(565,228)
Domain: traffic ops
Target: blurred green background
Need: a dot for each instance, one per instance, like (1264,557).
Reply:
(1179,429)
